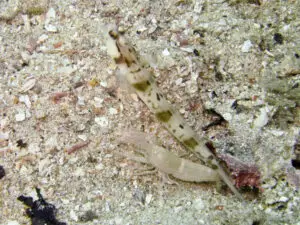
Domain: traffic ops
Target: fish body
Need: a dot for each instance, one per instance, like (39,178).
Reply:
(141,78)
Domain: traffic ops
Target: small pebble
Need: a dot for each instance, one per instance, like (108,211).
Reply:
(227,116)
(182,111)
(44,166)
(51,13)
(246,46)
(40,114)
(51,143)
(25,99)
(134,97)
(82,137)
(100,166)
(178,81)
(103,83)
(283,199)
(79,172)
(21,116)
(113,111)
(25,57)
(262,119)
(198,204)
(80,100)
(29,84)
(187,49)
(148,199)
(34,148)
(4,135)
(102,121)
(73,215)
(12,222)
(98,102)
(277,133)
(80,127)
(42,38)
(26,22)
(166,52)
(51,28)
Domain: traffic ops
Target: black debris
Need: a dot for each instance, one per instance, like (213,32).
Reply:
(40,212)
(139,195)
(217,117)
(2,172)
(88,216)
(278,38)
(234,104)
(295,86)
(256,2)
(256,222)
(237,107)
(196,52)
(218,76)
(21,144)
(213,94)
(199,32)
(262,45)
(157,97)
(296,163)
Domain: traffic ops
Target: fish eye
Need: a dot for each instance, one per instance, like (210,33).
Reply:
(113,34)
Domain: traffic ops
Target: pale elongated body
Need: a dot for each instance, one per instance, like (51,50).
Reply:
(142,80)
(168,162)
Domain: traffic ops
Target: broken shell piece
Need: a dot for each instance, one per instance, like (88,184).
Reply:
(103,83)
(34,148)
(51,143)
(113,111)
(29,84)
(21,116)
(4,135)
(73,215)
(98,102)
(44,166)
(31,45)
(100,166)
(13,222)
(83,137)
(166,52)
(25,99)
(262,119)
(25,57)
(26,22)
(42,38)
(51,28)
(40,114)
(51,14)
(4,122)
(81,127)
(102,121)
(80,100)
(246,46)
(187,49)
(148,199)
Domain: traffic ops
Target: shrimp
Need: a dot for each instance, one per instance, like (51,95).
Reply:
(168,162)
